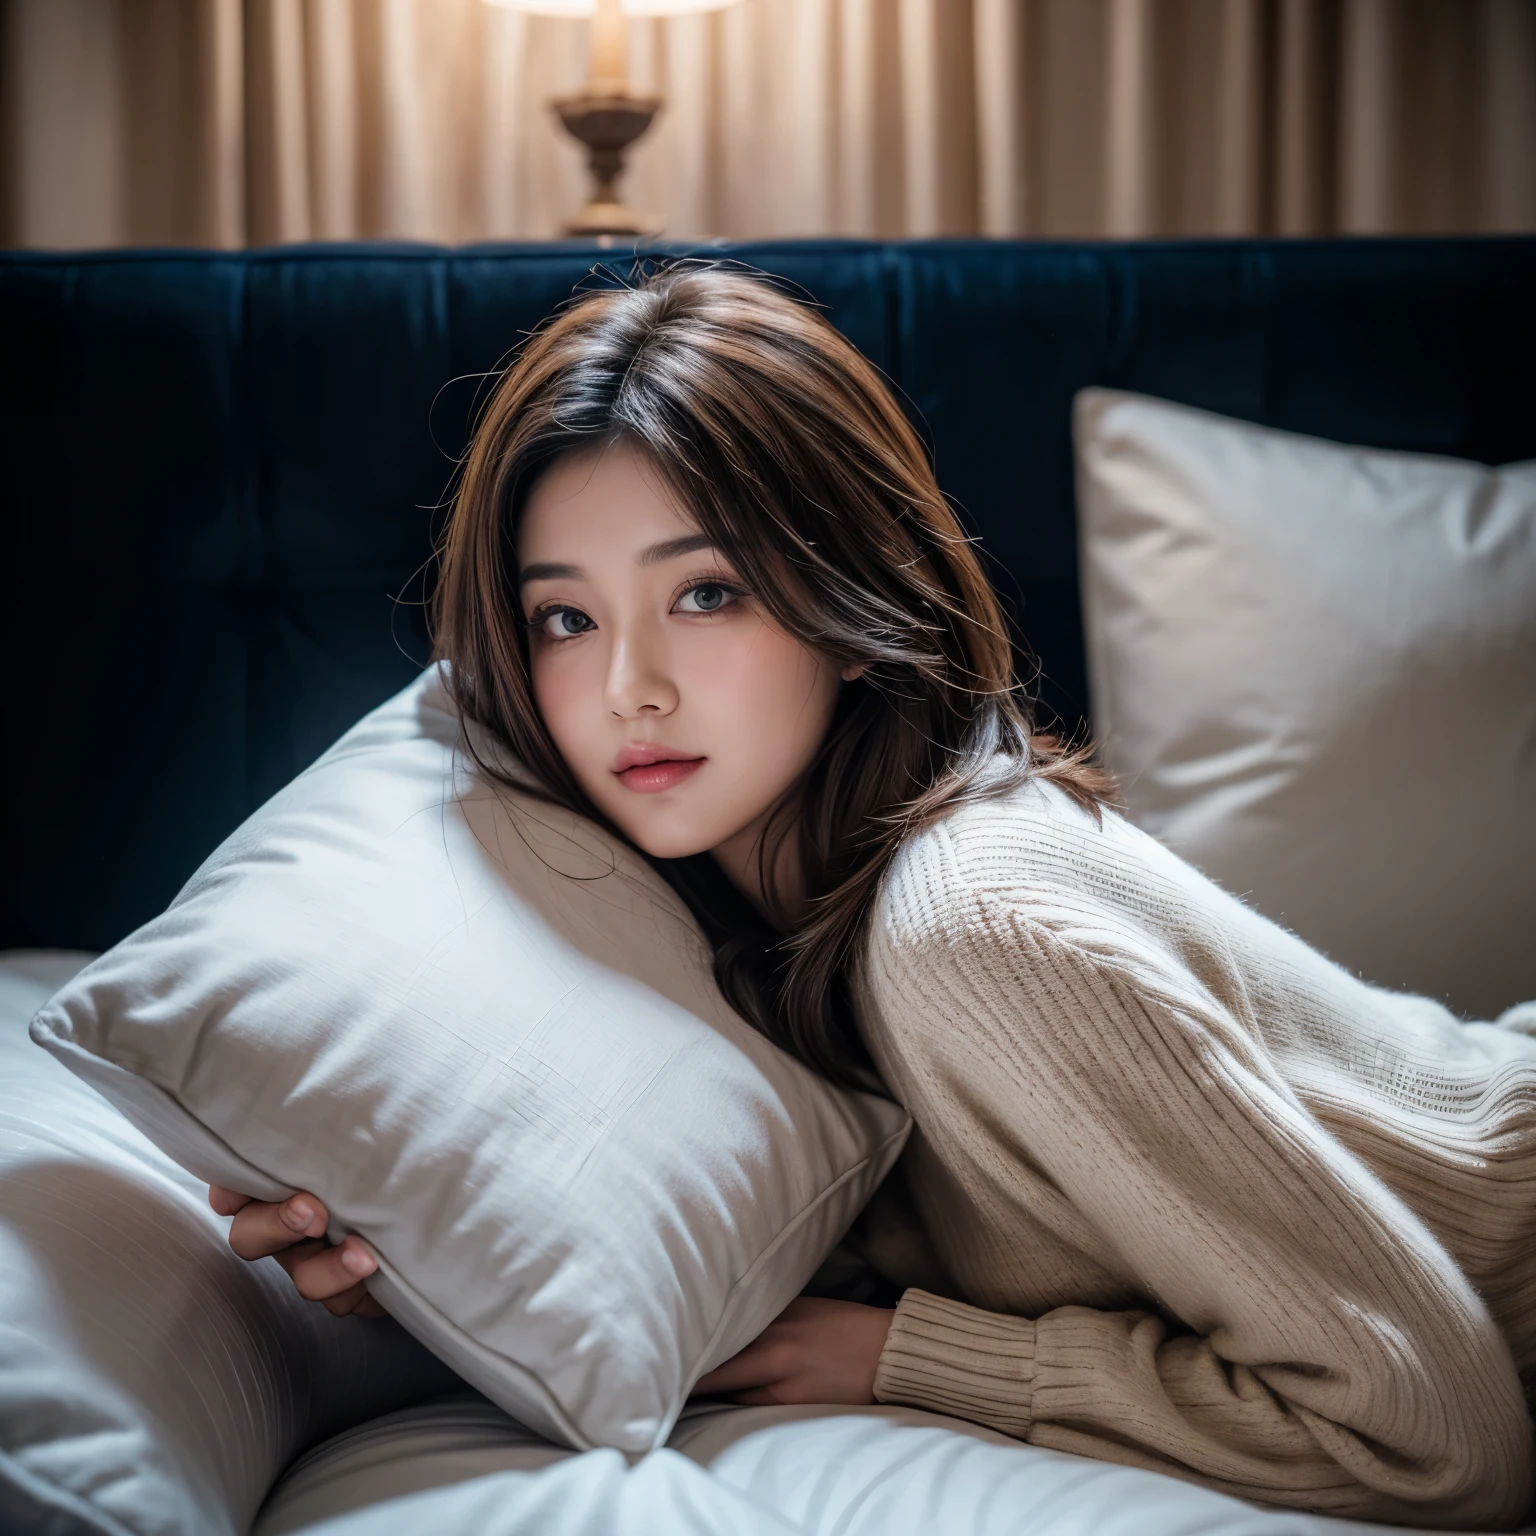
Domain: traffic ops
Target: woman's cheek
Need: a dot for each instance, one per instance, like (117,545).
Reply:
(568,700)
(766,697)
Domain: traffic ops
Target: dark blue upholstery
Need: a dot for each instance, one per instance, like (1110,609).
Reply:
(220,470)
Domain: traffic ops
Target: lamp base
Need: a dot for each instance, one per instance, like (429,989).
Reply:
(607,221)
(607,124)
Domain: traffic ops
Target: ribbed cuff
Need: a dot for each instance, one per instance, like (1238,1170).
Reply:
(950,1358)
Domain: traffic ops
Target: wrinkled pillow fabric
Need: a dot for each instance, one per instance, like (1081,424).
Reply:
(486,1033)
(151,1383)
(1314,671)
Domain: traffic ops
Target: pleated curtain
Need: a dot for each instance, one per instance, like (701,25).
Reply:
(233,122)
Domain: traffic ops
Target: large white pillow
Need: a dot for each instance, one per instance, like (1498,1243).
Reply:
(151,1384)
(459,1465)
(487,1035)
(1314,669)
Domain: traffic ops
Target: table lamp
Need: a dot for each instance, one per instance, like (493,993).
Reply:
(605,116)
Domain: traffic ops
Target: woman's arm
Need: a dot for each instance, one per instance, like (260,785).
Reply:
(816,1350)
(1331,1356)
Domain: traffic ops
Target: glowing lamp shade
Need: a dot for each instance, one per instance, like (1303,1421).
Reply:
(607,117)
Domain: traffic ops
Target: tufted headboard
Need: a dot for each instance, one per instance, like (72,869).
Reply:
(221,472)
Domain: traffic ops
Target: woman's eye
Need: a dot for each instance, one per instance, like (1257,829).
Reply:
(563,623)
(705,597)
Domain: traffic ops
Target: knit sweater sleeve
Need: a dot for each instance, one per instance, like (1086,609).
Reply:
(1306,1341)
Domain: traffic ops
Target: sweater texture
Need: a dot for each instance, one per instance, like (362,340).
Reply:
(1195,1198)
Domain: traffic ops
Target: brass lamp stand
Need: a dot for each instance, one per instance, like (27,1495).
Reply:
(607,119)
(605,116)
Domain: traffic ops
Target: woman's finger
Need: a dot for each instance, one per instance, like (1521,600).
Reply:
(322,1273)
(226,1202)
(289,1258)
(260,1229)
(348,1302)
(354,1303)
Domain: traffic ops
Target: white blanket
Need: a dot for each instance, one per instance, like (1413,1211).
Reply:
(459,1464)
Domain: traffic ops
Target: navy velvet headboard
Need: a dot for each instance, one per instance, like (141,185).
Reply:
(219,472)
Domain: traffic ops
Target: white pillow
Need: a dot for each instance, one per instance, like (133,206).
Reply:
(1314,669)
(150,1382)
(458,1465)
(487,1035)
(461,1465)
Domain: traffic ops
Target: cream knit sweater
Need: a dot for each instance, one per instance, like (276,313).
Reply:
(1213,1205)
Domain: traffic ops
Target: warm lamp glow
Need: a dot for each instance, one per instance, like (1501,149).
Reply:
(630,7)
(607,117)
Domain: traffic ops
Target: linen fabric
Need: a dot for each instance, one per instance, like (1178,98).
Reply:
(487,1035)
(460,1464)
(1314,672)
(151,1383)
(1205,1202)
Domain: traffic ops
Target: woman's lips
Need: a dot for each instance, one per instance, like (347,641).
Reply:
(652,778)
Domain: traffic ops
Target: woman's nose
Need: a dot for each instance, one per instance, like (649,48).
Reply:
(639,681)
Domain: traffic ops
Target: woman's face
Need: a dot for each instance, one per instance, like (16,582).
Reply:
(681,708)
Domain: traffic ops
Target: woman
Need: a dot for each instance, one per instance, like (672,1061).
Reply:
(1194,1198)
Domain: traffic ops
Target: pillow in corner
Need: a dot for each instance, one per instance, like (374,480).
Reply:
(151,1384)
(1314,671)
(487,1034)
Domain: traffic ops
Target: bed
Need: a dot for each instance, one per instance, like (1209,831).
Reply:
(222,476)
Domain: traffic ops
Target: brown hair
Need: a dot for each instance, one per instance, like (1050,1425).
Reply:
(788,450)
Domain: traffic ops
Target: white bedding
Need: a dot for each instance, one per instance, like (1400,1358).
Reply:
(459,1464)
(456,1464)
(151,1384)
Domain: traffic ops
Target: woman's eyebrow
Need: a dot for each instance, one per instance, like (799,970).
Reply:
(670,549)
(653,554)
(549,571)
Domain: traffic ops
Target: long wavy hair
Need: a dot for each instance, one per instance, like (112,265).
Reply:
(786,447)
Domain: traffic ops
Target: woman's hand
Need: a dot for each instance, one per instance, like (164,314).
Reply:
(293,1233)
(815,1351)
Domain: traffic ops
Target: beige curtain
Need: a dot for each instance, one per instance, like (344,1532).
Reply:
(231,122)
